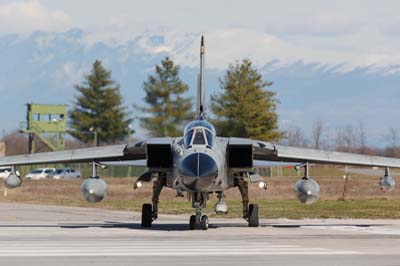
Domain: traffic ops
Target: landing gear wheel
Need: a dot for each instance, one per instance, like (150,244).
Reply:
(204,222)
(253,215)
(147,215)
(192,223)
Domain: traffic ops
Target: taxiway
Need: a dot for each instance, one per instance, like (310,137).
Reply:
(54,235)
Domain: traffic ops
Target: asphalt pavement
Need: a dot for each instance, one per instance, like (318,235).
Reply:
(53,235)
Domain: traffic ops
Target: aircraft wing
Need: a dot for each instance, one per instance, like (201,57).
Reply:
(106,153)
(128,155)
(135,154)
(270,152)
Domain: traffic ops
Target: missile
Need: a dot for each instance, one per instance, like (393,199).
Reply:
(94,189)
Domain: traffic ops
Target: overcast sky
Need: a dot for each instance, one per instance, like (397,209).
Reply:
(281,17)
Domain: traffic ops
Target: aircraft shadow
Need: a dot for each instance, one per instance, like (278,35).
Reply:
(171,226)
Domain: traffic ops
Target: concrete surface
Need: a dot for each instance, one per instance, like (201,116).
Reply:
(53,235)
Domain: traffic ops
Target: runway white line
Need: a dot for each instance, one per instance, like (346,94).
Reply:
(52,249)
(149,254)
(2,248)
(98,249)
(138,245)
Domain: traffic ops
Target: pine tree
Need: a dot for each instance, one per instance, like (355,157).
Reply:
(98,113)
(167,109)
(244,108)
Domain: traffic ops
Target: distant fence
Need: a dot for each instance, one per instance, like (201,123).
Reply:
(133,171)
(86,169)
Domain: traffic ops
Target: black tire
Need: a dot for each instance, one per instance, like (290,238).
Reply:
(253,215)
(204,222)
(192,222)
(147,216)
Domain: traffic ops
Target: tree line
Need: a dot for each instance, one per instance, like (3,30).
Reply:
(244,107)
(349,138)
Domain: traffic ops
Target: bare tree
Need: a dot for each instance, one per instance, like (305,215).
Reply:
(392,137)
(393,141)
(361,138)
(317,133)
(295,137)
(345,139)
(353,139)
(16,143)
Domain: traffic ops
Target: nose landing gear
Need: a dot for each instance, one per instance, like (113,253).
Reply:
(198,221)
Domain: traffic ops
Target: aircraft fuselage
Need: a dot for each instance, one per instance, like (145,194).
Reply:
(199,158)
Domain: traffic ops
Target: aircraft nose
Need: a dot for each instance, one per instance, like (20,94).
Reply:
(198,170)
(199,165)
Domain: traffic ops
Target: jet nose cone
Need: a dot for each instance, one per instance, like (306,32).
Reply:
(198,170)
(190,166)
(199,165)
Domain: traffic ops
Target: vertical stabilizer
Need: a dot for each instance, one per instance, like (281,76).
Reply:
(200,112)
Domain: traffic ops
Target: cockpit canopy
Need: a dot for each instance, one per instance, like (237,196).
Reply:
(199,132)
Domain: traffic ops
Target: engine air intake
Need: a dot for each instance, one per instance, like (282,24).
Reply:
(240,156)
(159,155)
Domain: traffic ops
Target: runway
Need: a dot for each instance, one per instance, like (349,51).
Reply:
(53,235)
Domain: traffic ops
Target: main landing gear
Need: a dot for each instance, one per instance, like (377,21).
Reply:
(199,199)
(198,221)
(250,211)
(150,212)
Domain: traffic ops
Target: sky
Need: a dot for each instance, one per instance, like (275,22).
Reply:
(342,32)
(340,35)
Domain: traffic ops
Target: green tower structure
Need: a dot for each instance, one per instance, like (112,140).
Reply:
(48,123)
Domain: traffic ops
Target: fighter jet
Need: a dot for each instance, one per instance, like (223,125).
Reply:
(200,163)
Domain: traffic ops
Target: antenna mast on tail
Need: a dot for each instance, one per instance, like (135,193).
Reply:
(200,112)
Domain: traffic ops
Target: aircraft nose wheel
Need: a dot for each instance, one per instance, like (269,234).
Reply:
(201,223)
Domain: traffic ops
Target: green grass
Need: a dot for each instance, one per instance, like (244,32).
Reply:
(292,209)
(365,199)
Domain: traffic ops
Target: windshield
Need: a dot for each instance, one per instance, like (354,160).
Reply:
(203,131)
(199,123)
(199,138)
(202,136)
(210,138)
(188,138)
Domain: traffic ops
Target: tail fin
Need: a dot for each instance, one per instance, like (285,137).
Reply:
(200,84)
